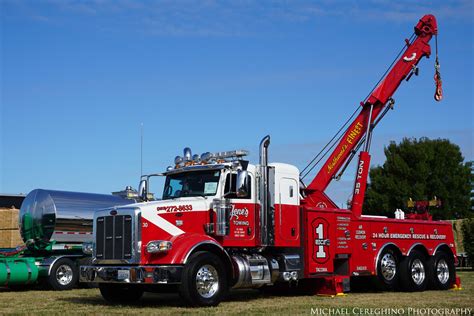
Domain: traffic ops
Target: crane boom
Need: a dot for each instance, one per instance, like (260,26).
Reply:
(372,107)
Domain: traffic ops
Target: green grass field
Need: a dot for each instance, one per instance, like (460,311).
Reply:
(89,301)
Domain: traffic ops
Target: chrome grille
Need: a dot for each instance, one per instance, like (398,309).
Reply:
(114,237)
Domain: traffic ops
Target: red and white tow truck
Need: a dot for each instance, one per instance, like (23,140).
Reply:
(225,223)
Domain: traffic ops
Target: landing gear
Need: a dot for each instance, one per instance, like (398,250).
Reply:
(204,281)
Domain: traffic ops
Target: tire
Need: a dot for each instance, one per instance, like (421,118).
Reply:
(414,272)
(388,270)
(64,275)
(121,293)
(210,271)
(442,271)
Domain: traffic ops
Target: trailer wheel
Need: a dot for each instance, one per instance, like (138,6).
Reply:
(388,269)
(120,293)
(414,272)
(64,275)
(442,271)
(204,281)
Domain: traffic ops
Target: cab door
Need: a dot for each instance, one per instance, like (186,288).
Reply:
(242,218)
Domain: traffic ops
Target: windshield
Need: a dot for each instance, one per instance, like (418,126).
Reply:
(195,183)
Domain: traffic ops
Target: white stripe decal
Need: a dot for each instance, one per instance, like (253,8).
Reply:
(163,224)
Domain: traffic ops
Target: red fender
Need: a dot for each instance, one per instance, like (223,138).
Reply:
(182,247)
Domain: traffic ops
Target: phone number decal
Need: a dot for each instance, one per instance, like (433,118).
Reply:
(175,208)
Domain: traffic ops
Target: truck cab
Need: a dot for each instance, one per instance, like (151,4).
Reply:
(213,203)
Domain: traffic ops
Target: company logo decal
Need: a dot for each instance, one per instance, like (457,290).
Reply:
(238,212)
(320,232)
(350,138)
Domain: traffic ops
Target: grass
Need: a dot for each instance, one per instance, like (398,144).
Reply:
(89,301)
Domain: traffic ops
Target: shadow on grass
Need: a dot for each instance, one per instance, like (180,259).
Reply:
(174,300)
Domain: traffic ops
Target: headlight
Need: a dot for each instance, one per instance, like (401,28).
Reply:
(88,248)
(156,246)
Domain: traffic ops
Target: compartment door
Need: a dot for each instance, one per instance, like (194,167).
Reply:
(288,215)
(320,242)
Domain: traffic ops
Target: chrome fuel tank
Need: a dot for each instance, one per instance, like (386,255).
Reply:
(65,217)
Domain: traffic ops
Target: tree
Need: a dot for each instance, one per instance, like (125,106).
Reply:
(468,238)
(420,169)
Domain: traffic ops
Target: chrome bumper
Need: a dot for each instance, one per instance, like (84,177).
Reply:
(132,274)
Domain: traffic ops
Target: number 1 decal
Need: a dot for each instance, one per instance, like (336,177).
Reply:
(320,228)
(320,236)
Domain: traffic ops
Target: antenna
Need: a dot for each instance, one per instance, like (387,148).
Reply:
(141,149)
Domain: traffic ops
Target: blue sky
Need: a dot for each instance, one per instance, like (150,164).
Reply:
(78,78)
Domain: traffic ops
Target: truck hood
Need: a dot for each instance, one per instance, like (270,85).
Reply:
(162,213)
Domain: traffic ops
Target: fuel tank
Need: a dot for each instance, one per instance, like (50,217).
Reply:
(65,217)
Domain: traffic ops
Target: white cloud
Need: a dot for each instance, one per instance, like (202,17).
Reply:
(235,18)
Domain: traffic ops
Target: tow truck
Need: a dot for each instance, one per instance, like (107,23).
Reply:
(225,223)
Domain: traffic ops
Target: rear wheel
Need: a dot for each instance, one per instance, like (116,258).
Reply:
(204,281)
(442,271)
(120,293)
(64,275)
(413,272)
(388,269)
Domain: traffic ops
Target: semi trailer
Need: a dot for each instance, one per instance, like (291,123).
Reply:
(226,223)
(54,226)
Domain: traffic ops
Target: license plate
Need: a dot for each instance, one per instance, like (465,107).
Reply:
(123,274)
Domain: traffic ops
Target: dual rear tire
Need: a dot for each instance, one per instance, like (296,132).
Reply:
(415,272)
(443,273)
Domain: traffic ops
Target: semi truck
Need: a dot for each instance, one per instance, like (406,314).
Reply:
(54,226)
(225,223)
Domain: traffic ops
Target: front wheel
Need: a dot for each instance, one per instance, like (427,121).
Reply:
(414,271)
(442,271)
(64,275)
(204,281)
(120,293)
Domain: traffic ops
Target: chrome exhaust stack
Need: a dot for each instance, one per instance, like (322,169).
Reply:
(265,195)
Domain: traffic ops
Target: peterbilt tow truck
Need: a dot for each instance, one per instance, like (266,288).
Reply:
(224,223)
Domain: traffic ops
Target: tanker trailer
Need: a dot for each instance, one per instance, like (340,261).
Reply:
(54,226)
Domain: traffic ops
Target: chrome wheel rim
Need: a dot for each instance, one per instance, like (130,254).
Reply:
(442,271)
(417,271)
(207,281)
(64,274)
(388,266)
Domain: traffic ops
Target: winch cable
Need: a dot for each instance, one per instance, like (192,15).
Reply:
(335,139)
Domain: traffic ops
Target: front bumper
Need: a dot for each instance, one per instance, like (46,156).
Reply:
(132,274)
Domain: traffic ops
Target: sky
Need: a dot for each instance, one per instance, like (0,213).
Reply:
(79,79)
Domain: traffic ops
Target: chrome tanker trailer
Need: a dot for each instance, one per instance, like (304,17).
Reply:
(54,226)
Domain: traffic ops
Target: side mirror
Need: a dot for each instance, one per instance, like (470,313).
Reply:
(242,185)
(143,190)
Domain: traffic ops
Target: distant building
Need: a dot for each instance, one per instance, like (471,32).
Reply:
(11,200)
(131,194)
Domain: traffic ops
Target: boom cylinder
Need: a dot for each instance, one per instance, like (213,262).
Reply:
(360,184)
